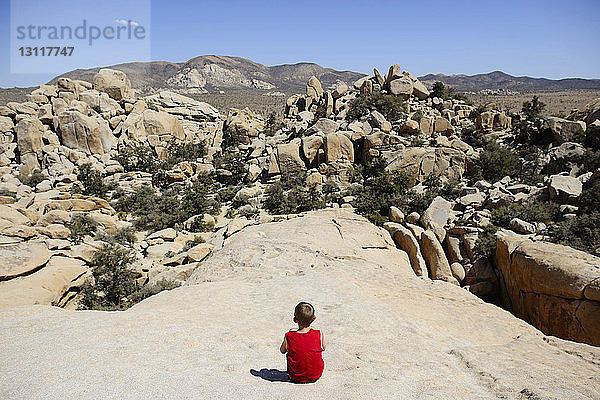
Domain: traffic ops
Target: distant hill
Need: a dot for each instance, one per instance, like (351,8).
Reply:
(221,73)
(499,80)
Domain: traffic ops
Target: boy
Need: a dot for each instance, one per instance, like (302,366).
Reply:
(304,347)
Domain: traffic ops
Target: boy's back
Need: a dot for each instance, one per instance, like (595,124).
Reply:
(304,359)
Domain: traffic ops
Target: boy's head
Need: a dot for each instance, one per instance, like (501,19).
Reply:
(304,314)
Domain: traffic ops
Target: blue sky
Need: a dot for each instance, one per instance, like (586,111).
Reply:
(553,39)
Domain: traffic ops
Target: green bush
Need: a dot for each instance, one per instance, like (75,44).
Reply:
(291,195)
(115,280)
(231,138)
(591,161)
(581,232)
(273,124)
(234,162)
(476,112)
(391,107)
(137,158)
(531,211)
(90,182)
(34,179)
(486,242)
(592,138)
(80,226)
(494,163)
(150,290)
(589,200)
(167,209)
(419,202)
(529,130)
(194,242)
(381,189)
(474,137)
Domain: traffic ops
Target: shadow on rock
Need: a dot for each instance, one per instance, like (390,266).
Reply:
(271,375)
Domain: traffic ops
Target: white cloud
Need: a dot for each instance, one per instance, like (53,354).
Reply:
(126,22)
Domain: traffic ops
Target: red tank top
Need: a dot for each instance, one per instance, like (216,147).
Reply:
(304,360)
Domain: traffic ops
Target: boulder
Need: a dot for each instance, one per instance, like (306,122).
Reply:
(564,188)
(199,252)
(407,242)
(162,123)
(55,284)
(442,125)
(421,162)
(288,157)
(310,147)
(245,122)
(396,215)
(401,87)
(436,260)
(80,132)
(324,125)
(114,83)
(437,213)
(554,287)
(380,121)
(520,226)
(22,259)
(6,124)
(29,135)
(338,147)
(564,130)
(314,89)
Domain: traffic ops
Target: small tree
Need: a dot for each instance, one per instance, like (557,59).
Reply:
(115,280)
(90,182)
(438,90)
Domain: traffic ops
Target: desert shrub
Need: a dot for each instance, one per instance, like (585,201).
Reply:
(589,200)
(227,193)
(124,236)
(234,162)
(358,107)
(331,191)
(90,182)
(591,160)
(80,226)
(240,201)
(474,137)
(137,158)
(8,193)
(438,90)
(150,290)
(194,242)
(529,129)
(34,179)
(381,189)
(486,242)
(231,138)
(531,211)
(155,210)
(291,195)
(391,107)
(273,124)
(592,138)
(581,232)
(115,280)
(476,112)
(448,92)
(179,152)
(419,202)
(494,163)
(417,116)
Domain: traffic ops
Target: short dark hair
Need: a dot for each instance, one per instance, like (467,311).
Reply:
(304,313)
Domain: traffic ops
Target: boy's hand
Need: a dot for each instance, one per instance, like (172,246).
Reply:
(283,347)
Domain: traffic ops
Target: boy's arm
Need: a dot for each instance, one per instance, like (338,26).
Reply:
(283,347)
(322,341)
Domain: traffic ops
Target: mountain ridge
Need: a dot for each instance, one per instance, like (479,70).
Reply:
(214,72)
